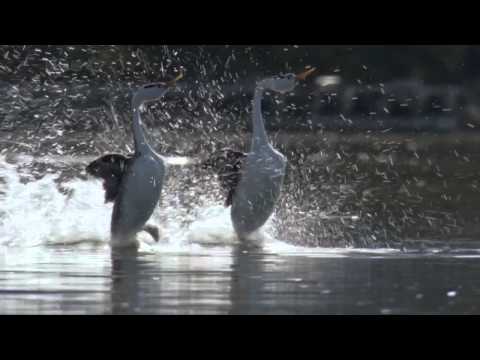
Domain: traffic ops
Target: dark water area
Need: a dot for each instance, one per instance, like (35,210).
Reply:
(93,282)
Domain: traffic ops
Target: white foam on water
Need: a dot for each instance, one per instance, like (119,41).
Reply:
(285,249)
(37,213)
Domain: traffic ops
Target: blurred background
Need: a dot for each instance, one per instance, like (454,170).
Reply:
(382,141)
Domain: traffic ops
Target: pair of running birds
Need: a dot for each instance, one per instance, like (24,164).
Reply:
(252,180)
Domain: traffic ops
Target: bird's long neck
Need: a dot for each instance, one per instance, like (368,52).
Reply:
(260,138)
(141,144)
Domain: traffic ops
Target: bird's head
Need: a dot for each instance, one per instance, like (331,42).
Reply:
(284,83)
(154,91)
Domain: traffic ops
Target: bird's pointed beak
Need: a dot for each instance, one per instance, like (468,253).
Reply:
(303,75)
(173,82)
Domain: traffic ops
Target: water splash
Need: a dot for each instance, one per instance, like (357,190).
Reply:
(37,213)
(40,213)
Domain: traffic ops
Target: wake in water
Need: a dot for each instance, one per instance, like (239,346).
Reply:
(37,212)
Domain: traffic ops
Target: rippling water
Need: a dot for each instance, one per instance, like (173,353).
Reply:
(55,258)
(76,280)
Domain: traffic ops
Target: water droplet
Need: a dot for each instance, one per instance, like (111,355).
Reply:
(452,293)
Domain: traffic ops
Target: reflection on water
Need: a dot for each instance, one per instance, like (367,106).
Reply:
(54,257)
(91,281)
(170,284)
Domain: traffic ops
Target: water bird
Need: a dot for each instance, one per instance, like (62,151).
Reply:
(134,182)
(253,180)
